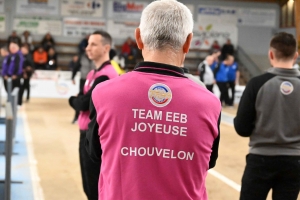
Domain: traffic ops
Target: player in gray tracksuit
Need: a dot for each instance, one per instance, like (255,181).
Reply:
(269,114)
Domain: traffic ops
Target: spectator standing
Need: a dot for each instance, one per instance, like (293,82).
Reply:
(227,49)
(27,39)
(52,59)
(40,58)
(233,77)
(28,70)
(215,47)
(48,42)
(3,55)
(269,114)
(83,44)
(73,63)
(14,38)
(120,135)
(206,74)
(221,77)
(216,56)
(13,67)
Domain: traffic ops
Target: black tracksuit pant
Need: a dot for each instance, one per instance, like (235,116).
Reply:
(89,170)
(15,83)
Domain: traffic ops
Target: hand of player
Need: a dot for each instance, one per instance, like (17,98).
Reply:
(14,77)
(73,81)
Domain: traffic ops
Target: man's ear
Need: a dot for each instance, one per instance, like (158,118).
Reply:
(138,38)
(271,54)
(187,43)
(295,56)
(107,47)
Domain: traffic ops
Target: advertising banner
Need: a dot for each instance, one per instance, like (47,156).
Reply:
(122,29)
(257,17)
(58,84)
(206,34)
(2,23)
(126,9)
(37,7)
(81,27)
(217,14)
(236,16)
(82,8)
(38,26)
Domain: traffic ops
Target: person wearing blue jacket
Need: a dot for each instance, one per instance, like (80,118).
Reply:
(233,77)
(221,77)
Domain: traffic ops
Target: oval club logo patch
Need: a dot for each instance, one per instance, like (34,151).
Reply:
(160,95)
(286,88)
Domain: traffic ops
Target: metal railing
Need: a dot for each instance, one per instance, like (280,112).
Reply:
(10,133)
(247,65)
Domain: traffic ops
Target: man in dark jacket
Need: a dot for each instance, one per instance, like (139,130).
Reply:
(269,114)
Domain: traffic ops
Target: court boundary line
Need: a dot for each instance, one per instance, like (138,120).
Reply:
(35,179)
(225,180)
(220,176)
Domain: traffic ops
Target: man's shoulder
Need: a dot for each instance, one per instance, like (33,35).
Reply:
(261,79)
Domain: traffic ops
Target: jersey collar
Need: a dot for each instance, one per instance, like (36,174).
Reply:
(103,65)
(159,68)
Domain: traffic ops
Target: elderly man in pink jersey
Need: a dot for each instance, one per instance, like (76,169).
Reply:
(155,131)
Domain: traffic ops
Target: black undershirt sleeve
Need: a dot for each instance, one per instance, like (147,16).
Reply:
(215,148)
(17,65)
(92,142)
(81,102)
(244,122)
(202,72)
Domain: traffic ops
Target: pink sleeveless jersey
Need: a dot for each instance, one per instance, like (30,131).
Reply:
(156,134)
(107,70)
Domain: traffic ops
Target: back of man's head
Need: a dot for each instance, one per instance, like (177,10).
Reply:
(165,24)
(284,46)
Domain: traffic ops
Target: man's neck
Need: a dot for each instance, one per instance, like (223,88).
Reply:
(284,65)
(165,57)
(98,63)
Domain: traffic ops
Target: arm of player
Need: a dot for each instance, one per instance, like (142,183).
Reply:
(244,122)
(92,142)
(215,148)
(81,102)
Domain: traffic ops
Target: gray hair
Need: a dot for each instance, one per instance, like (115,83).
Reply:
(165,24)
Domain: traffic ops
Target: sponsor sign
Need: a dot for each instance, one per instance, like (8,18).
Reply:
(81,27)
(82,8)
(126,9)
(206,34)
(122,29)
(40,7)
(236,16)
(217,14)
(2,23)
(257,17)
(38,26)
